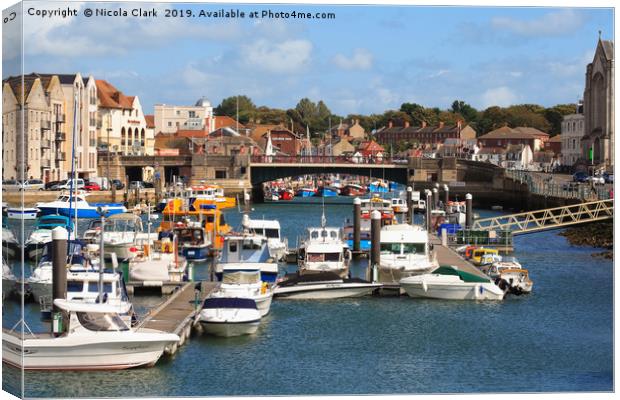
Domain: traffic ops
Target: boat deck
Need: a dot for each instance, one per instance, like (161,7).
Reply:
(177,314)
(447,256)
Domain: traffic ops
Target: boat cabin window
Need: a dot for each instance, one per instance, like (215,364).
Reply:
(94,287)
(222,220)
(209,219)
(249,244)
(101,322)
(314,235)
(320,257)
(75,286)
(232,247)
(408,248)
(272,233)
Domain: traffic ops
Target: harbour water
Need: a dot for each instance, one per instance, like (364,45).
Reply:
(559,338)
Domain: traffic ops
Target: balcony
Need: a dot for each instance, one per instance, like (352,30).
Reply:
(60,137)
(46,163)
(45,125)
(46,144)
(61,156)
(61,118)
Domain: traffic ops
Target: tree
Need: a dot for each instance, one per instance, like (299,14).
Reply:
(555,114)
(469,113)
(228,107)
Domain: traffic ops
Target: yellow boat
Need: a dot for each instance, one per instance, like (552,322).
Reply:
(213,194)
(478,254)
(212,218)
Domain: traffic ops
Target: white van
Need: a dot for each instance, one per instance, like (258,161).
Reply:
(77,184)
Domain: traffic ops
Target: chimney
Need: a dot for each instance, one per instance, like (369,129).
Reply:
(423,124)
(459,124)
(406,124)
(390,124)
(441,123)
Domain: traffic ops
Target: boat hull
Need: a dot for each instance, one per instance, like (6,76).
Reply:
(465,291)
(228,322)
(90,212)
(94,354)
(195,253)
(325,291)
(18,213)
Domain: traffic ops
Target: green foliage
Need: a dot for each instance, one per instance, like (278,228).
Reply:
(228,106)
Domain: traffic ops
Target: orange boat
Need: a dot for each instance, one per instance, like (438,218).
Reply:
(211,218)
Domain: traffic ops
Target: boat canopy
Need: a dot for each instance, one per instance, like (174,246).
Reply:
(229,302)
(52,221)
(465,276)
(80,306)
(321,277)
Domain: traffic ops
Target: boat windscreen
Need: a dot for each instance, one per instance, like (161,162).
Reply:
(465,276)
(241,277)
(229,302)
(295,279)
(101,322)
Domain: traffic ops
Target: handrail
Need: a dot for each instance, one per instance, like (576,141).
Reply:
(550,218)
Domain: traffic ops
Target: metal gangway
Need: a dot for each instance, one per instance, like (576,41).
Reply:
(550,218)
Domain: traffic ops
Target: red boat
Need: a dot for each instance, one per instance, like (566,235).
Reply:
(286,194)
(353,190)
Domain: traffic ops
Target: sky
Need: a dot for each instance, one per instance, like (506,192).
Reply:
(367,60)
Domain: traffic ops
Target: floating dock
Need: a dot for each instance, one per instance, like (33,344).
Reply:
(178,313)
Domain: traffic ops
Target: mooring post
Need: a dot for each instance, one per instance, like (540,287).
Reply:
(444,237)
(357,211)
(409,205)
(429,209)
(469,211)
(246,201)
(59,274)
(446,196)
(435,198)
(375,241)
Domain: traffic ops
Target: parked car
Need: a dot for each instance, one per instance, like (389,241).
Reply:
(609,178)
(596,180)
(11,184)
(77,184)
(581,177)
(118,184)
(148,185)
(33,184)
(49,185)
(92,186)
(136,185)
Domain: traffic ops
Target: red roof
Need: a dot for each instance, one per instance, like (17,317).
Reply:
(150,121)
(370,146)
(110,97)
(189,133)
(222,121)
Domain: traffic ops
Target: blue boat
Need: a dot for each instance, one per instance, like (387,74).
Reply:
(306,192)
(67,206)
(327,191)
(193,242)
(378,187)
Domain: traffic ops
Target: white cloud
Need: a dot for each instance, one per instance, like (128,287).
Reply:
(515,74)
(499,96)
(285,57)
(555,23)
(361,59)
(439,73)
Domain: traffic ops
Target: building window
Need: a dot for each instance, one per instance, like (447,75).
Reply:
(169,123)
(192,114)
(220,174)
(178,112)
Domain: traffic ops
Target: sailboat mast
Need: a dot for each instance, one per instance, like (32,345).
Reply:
(72,179)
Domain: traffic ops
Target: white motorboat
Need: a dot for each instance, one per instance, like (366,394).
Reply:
(194,242)
(243,280)
(278,247)
(508,272)
(450,283)
(158,264)
(10,245)
(322,286)
(405,251)
(324,250)
(251,248)
(22,212)
(399,205)
(42,233)
(8,279)
(94,338)
(229,316)
(122,233)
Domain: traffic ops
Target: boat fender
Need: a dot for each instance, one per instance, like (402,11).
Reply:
(477,292)
(424,286)
(263,288)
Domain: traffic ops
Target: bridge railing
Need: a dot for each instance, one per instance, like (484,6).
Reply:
(550,218)
(547,187)
(299,159)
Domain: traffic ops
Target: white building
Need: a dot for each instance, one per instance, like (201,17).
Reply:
(169,118)
(123,125)
(573,129)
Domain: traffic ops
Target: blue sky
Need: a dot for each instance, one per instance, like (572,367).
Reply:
(367,60)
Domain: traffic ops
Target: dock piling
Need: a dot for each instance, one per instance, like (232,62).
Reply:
(357,211)
(429,208)
(446,195)
(375,238)
(469,211)
(409,205)
(59,270)
(435,198)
